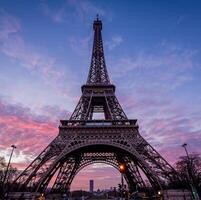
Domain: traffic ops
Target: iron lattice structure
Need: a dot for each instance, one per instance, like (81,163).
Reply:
(82,140)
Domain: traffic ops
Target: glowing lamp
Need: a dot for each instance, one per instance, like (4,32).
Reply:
(122,168)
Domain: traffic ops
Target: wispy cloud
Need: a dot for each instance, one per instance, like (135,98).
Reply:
(80,45)
(114,42)
(168,64)
(55,113)
(72,10)
(167,59)
(56,15)
(8,25)
(84,8)
(33,58)
(14,46)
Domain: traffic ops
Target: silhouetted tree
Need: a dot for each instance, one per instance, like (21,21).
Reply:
(189,170)
(2,169)
(11,174)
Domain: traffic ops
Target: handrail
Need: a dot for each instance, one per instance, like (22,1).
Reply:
(79,123)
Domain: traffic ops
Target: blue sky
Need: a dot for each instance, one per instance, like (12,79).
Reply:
(153,55)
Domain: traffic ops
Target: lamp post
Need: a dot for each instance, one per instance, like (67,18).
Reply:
(122,169)
(7,168)
(184,145)
(189,177)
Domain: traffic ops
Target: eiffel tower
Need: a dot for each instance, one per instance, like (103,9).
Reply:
(83,140)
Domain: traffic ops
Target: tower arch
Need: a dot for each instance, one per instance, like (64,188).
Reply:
(122,153)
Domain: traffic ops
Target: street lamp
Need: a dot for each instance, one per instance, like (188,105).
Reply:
(122,169)
(5,176)
(184,145)
(189,177)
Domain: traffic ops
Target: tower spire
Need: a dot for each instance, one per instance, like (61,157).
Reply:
(98,72)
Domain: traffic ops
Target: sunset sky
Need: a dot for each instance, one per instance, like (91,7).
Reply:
(153,56)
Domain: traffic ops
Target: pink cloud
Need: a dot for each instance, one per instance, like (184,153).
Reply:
(165,124)
(28,131)
(19,165)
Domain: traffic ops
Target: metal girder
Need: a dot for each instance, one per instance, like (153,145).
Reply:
(132,173)
(115,108)
(81,111)
(107,102)
(68,167)
(162,168)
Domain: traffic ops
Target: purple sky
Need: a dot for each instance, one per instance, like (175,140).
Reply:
(153,55)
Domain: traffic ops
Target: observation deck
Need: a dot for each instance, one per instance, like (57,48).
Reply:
(98,123)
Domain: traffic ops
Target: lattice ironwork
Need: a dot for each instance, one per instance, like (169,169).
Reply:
(98,72)
(83,140)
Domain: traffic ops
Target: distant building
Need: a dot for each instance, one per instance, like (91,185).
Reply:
(91,186)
